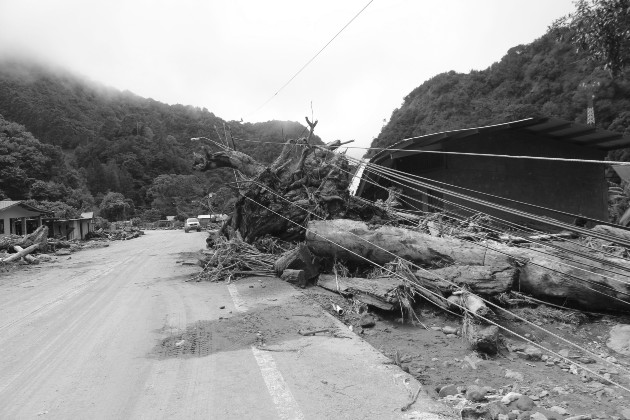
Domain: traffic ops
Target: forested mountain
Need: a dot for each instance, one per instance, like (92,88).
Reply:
(113,142)
(548,77)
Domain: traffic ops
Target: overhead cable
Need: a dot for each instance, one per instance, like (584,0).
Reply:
(312,58)
(560,262)
(553,159)
(551,222)
(464,308)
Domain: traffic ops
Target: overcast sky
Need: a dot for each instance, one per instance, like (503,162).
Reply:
(232,56)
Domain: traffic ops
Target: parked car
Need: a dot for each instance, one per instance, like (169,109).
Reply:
(192,224)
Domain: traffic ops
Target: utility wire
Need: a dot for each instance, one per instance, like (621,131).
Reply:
(456,304)
(312,58)
(551,222)
(569,251)
(548,268)
(379,171)
(385,149)
(464,308)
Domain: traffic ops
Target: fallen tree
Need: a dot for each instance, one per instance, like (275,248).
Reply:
(20,254)
(354,240)
(578,283)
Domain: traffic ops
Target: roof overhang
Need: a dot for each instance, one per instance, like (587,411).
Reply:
(553,128)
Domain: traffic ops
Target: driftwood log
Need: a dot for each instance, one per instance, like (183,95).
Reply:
(28,258)
(39,236)
(20,254)
(479,279)
(577,283)
(294,276)
(298,258)
(354,240)
(378,292)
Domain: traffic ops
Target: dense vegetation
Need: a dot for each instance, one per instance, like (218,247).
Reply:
(545,78)
(77,141)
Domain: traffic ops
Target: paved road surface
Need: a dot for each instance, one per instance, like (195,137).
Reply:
(116,333)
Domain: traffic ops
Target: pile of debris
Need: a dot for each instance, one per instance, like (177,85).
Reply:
(19,248)
(462,269)
(229,259)
(305,181)
(115,235)
(30,249)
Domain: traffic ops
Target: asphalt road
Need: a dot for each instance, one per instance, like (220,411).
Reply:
(117,333)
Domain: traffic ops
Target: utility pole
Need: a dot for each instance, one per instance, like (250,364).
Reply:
(589,89)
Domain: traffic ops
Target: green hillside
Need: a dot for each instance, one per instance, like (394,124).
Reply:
(115,141)
(545,78)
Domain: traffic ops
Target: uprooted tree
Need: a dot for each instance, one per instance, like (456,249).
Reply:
(279,199)
(304,197)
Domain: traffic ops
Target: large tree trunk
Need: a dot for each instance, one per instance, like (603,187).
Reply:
(577,283)
(354,241)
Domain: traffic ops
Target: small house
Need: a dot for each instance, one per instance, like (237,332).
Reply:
(19,218)
(71,228)
(454,161)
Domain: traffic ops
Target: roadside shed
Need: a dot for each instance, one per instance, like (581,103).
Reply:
(568,186)
(72,228)
(19,218)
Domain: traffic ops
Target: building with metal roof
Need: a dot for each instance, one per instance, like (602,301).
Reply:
(455,158)
(15,217)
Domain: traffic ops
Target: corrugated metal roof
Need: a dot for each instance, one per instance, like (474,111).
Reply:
(6,204)
(554,128)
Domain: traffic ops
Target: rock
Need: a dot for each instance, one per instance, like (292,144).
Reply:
(525,415)
(436,328)
(580,417)
(531,353)
(619,340)
(497,409)
(474,413)
(510,374)
(476,393)
(451,335)
(449,330)
(510,396)
(512,416)
(63,251)
(559,410)
(537,416)
(503,417)
(625,413)
(447,390)
(367,321)
(525,403)
(564,353)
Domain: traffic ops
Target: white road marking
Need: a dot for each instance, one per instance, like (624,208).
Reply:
(283,399)
(287,407)
(236,298)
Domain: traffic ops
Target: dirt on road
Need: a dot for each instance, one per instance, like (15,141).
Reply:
(118,333)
